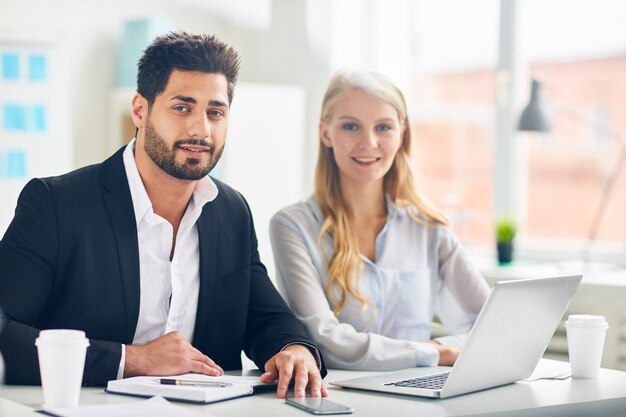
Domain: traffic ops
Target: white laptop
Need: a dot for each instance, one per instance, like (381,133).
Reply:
(509,337)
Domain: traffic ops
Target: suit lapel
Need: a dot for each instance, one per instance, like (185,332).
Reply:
(119,204)
(207,237)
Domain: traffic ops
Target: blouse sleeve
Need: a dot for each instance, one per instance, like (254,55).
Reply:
(340,343)
(463,290)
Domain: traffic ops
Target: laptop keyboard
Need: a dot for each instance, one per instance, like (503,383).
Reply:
(424,382)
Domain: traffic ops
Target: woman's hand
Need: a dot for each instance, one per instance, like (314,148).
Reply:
(447,354)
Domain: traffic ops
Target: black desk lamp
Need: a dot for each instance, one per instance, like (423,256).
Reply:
(534,119)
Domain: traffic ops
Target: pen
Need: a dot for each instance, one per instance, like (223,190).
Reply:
(166,381)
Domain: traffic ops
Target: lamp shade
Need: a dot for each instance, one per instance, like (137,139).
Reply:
(534,117)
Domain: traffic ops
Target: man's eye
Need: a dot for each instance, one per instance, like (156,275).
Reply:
(180,108)
(215,113)
(350,126)
(383,128)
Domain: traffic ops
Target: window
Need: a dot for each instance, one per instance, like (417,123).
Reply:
(452,100)
(578,51)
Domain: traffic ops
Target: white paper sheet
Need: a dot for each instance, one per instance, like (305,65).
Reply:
(549,369)
(154,407)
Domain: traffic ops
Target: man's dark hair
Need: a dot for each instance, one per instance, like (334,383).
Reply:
(184,52)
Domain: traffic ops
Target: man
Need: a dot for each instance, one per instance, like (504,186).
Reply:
(155,261)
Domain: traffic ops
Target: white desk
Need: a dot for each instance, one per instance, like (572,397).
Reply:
(605,396)
(13,409)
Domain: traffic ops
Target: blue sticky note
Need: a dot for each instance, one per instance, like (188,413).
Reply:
(13,117)
(36,67)
(16,161)
(10,66)
(35,118)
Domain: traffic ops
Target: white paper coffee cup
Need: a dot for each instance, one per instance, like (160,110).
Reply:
(61,364)
(585,343)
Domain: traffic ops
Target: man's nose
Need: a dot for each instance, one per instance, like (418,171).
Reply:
(199,127)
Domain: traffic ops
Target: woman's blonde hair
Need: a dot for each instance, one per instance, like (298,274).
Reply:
(398,185)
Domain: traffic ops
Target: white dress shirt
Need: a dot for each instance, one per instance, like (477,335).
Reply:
(419,271)
(168,289)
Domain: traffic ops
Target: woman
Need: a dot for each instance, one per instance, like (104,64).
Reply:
(366,262)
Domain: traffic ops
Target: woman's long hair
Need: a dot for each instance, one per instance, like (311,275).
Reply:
(398,185)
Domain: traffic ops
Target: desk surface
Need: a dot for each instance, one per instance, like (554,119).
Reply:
(605,396)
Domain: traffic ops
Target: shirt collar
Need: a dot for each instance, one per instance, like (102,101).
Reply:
(205,190)
(392,208)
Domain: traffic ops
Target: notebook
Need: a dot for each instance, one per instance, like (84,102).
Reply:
(507,341)
(149,386)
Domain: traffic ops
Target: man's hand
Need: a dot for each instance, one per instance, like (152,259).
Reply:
(297,362)
(170,354)
(447,354)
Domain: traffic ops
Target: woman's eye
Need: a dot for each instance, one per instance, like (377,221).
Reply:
(383,128)
(350,126)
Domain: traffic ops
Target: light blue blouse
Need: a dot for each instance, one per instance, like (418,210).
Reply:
(419,271)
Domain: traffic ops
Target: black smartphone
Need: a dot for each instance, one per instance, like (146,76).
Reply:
(319,405)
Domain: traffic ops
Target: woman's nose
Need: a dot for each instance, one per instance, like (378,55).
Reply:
(368,140)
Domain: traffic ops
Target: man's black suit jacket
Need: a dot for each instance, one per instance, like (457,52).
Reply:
(70,260)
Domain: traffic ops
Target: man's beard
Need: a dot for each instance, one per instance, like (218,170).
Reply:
(165,158)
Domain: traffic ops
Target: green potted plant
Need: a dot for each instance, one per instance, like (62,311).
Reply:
(505,237)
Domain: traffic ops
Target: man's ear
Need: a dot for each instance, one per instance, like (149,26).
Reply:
(139,110)
(324,135)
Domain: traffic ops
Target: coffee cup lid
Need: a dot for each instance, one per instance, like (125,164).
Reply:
(62,337)
(586,320)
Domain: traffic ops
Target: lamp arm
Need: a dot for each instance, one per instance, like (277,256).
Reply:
(585,120)
(604,200)
(533,119)
(606,193)
(614,174)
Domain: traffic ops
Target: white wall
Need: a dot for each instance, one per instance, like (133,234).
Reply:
(284,55)
(257,138)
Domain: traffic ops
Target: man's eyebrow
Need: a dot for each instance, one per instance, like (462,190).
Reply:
(186,99)
(217,103)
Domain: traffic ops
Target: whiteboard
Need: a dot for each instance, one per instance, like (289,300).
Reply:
(34,123)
